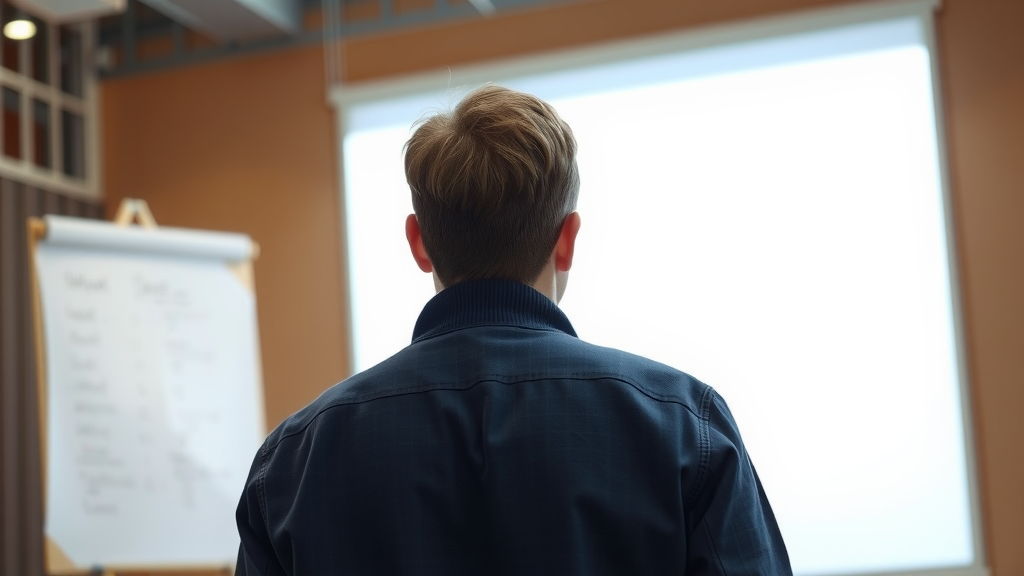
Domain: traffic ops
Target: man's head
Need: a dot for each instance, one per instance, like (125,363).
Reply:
(493,181)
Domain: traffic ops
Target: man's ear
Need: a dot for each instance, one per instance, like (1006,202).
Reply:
(566,244)
(415,238)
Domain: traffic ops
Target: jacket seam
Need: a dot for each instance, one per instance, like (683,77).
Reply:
(261,483)
(496,379)
(704,443)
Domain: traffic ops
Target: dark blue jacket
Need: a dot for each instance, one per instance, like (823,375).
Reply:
(500,443)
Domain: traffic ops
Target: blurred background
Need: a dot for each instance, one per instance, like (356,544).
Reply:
(218,114)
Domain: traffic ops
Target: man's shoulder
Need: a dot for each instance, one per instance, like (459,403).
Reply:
(515,354)
(510,356)
(659,381)
(359,388)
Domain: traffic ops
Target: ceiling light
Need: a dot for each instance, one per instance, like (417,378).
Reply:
(19,29)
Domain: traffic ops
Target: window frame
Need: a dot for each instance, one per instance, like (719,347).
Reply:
(24,169)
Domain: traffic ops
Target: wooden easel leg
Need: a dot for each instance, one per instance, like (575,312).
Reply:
(132,210)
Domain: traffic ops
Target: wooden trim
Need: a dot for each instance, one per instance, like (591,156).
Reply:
(54,561)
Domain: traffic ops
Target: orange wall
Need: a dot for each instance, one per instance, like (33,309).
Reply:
(981,45)
(248,144)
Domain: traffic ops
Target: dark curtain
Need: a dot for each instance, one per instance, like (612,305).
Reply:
(21,490)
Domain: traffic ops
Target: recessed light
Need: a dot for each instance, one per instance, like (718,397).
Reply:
(19,29)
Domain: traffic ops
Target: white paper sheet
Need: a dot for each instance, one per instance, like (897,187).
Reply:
(154,403)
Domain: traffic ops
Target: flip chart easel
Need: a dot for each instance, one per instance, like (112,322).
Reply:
(150,392)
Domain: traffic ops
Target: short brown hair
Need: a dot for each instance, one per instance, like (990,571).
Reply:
(492,181)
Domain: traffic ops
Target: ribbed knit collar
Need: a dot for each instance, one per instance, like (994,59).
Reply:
(489,302)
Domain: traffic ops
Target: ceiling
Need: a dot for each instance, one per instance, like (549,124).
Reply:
(143,35)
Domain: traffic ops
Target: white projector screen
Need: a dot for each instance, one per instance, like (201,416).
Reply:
(763,207)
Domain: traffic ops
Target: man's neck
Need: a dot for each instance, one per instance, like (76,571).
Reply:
(549,283)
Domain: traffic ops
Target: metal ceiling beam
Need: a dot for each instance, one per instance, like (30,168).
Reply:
(485,7)
(129,32)
(237,20)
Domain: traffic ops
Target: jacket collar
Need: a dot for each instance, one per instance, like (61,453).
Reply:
(489,302)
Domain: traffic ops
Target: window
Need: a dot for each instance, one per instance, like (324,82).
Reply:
(49,106)
(763,207)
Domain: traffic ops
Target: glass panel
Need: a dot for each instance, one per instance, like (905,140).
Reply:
(70,60)
(12,123)
(10,47)
(73,144)
(41,52)
(41,134)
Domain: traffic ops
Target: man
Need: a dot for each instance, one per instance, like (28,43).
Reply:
(498,442)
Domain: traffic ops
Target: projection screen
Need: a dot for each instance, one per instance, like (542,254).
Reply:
(764,206)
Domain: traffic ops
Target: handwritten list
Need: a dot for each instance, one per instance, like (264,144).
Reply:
(154,405)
